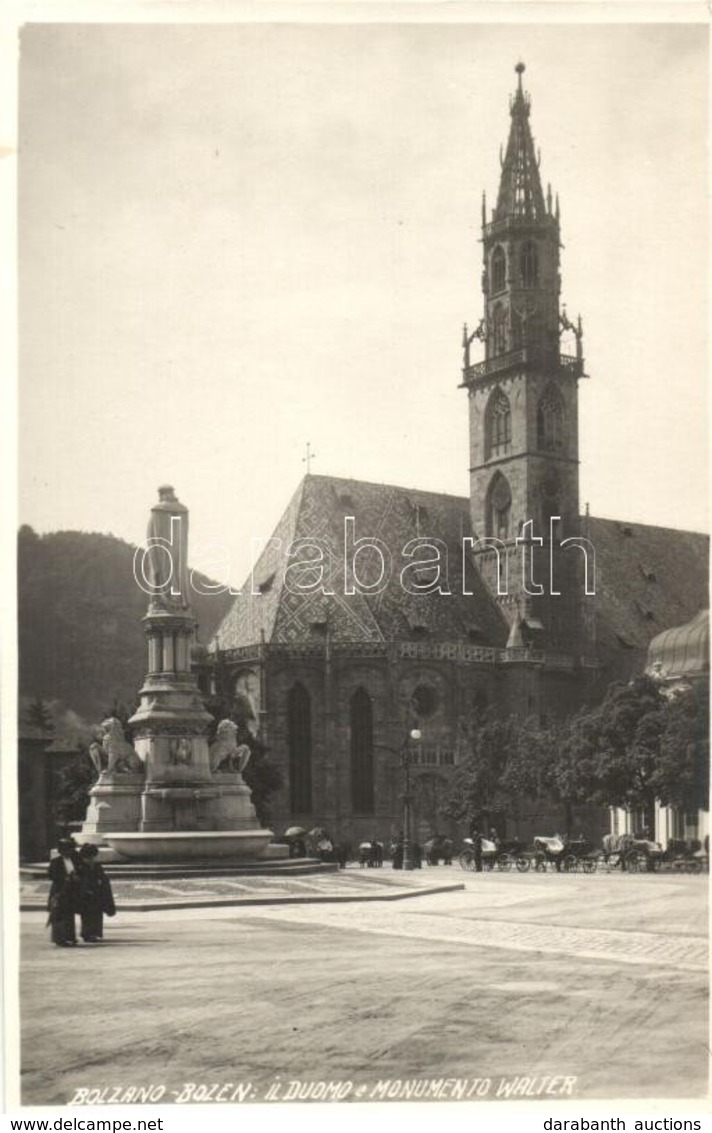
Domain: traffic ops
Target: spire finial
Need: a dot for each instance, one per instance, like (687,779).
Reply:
(520,69)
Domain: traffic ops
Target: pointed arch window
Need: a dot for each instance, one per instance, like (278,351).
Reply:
(499,265)
(362,780)
(299,743)
(499,507)
(550,420)
(529,264)
(499,322)
(498,425)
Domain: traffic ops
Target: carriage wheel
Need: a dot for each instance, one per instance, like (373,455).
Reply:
(589,865)
(467,860)
(634,862)
(505,861)
(570,863)
(523,863)
(540,865)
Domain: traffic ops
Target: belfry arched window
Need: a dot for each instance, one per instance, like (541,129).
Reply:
(299,743)
(499,507)
(499,322)
(498,425)
(499,264)
(362,786)
(550,420)
(529,264)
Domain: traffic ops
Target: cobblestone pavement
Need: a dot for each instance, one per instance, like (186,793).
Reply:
(686,954)
(600,980)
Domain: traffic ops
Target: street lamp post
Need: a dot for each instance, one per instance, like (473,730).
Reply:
(405,756)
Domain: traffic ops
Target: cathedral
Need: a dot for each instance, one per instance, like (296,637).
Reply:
(377,612)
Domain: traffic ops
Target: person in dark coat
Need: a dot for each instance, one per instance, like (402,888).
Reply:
(63,902)
(95,896)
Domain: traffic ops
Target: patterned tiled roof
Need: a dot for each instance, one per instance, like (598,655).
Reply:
(647,578)
(393,515)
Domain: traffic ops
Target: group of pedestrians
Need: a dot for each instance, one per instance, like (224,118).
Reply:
(79,887)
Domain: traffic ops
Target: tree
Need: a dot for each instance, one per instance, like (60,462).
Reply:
(72,786)
(640,744)
(506,762)
(38,714)
(681,776)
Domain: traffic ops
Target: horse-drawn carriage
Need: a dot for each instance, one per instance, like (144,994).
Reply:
(685,857)
(633,855)
(438,849)
(370,853)
(494,855)
(567,854)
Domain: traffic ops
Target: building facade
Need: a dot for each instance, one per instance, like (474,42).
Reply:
(376,609)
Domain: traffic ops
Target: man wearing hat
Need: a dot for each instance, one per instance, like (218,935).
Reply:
(64,893)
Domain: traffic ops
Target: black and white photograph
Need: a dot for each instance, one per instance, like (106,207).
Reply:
(356,701)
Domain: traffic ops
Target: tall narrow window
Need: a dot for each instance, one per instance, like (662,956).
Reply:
(550,420)
(499,321)
(299,741)
(498,425)
(528,264)
(498,268)
(362,789)
(499,507)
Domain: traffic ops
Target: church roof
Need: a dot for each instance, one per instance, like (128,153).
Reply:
(315,517)
(647,578)
(683,651)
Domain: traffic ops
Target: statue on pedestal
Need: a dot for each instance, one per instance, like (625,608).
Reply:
(225,752)
(115,755)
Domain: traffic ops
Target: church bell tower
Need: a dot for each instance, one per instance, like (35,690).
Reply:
(523,397)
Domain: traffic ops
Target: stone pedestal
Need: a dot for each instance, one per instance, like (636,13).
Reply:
(114,804)
(232,809)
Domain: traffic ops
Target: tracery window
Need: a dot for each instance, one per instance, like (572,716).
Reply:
(499,507)
(529,264)
(498,425)
(362,785)
(550,420)
(299,743)
(499,264)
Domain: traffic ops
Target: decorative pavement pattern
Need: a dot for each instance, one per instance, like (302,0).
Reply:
(175,892)
(687,954)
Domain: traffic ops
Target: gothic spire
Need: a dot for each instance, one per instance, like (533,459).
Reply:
(520,192)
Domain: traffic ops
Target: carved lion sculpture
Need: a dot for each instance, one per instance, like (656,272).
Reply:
(225,752)
(121,757)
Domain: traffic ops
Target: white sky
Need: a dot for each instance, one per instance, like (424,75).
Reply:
(235,239)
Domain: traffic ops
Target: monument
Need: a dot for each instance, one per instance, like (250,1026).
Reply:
(171,796)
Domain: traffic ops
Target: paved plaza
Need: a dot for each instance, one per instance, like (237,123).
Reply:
(554,986)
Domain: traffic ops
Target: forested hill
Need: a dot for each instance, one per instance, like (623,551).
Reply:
(79,610)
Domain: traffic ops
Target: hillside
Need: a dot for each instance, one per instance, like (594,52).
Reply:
(79,620)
